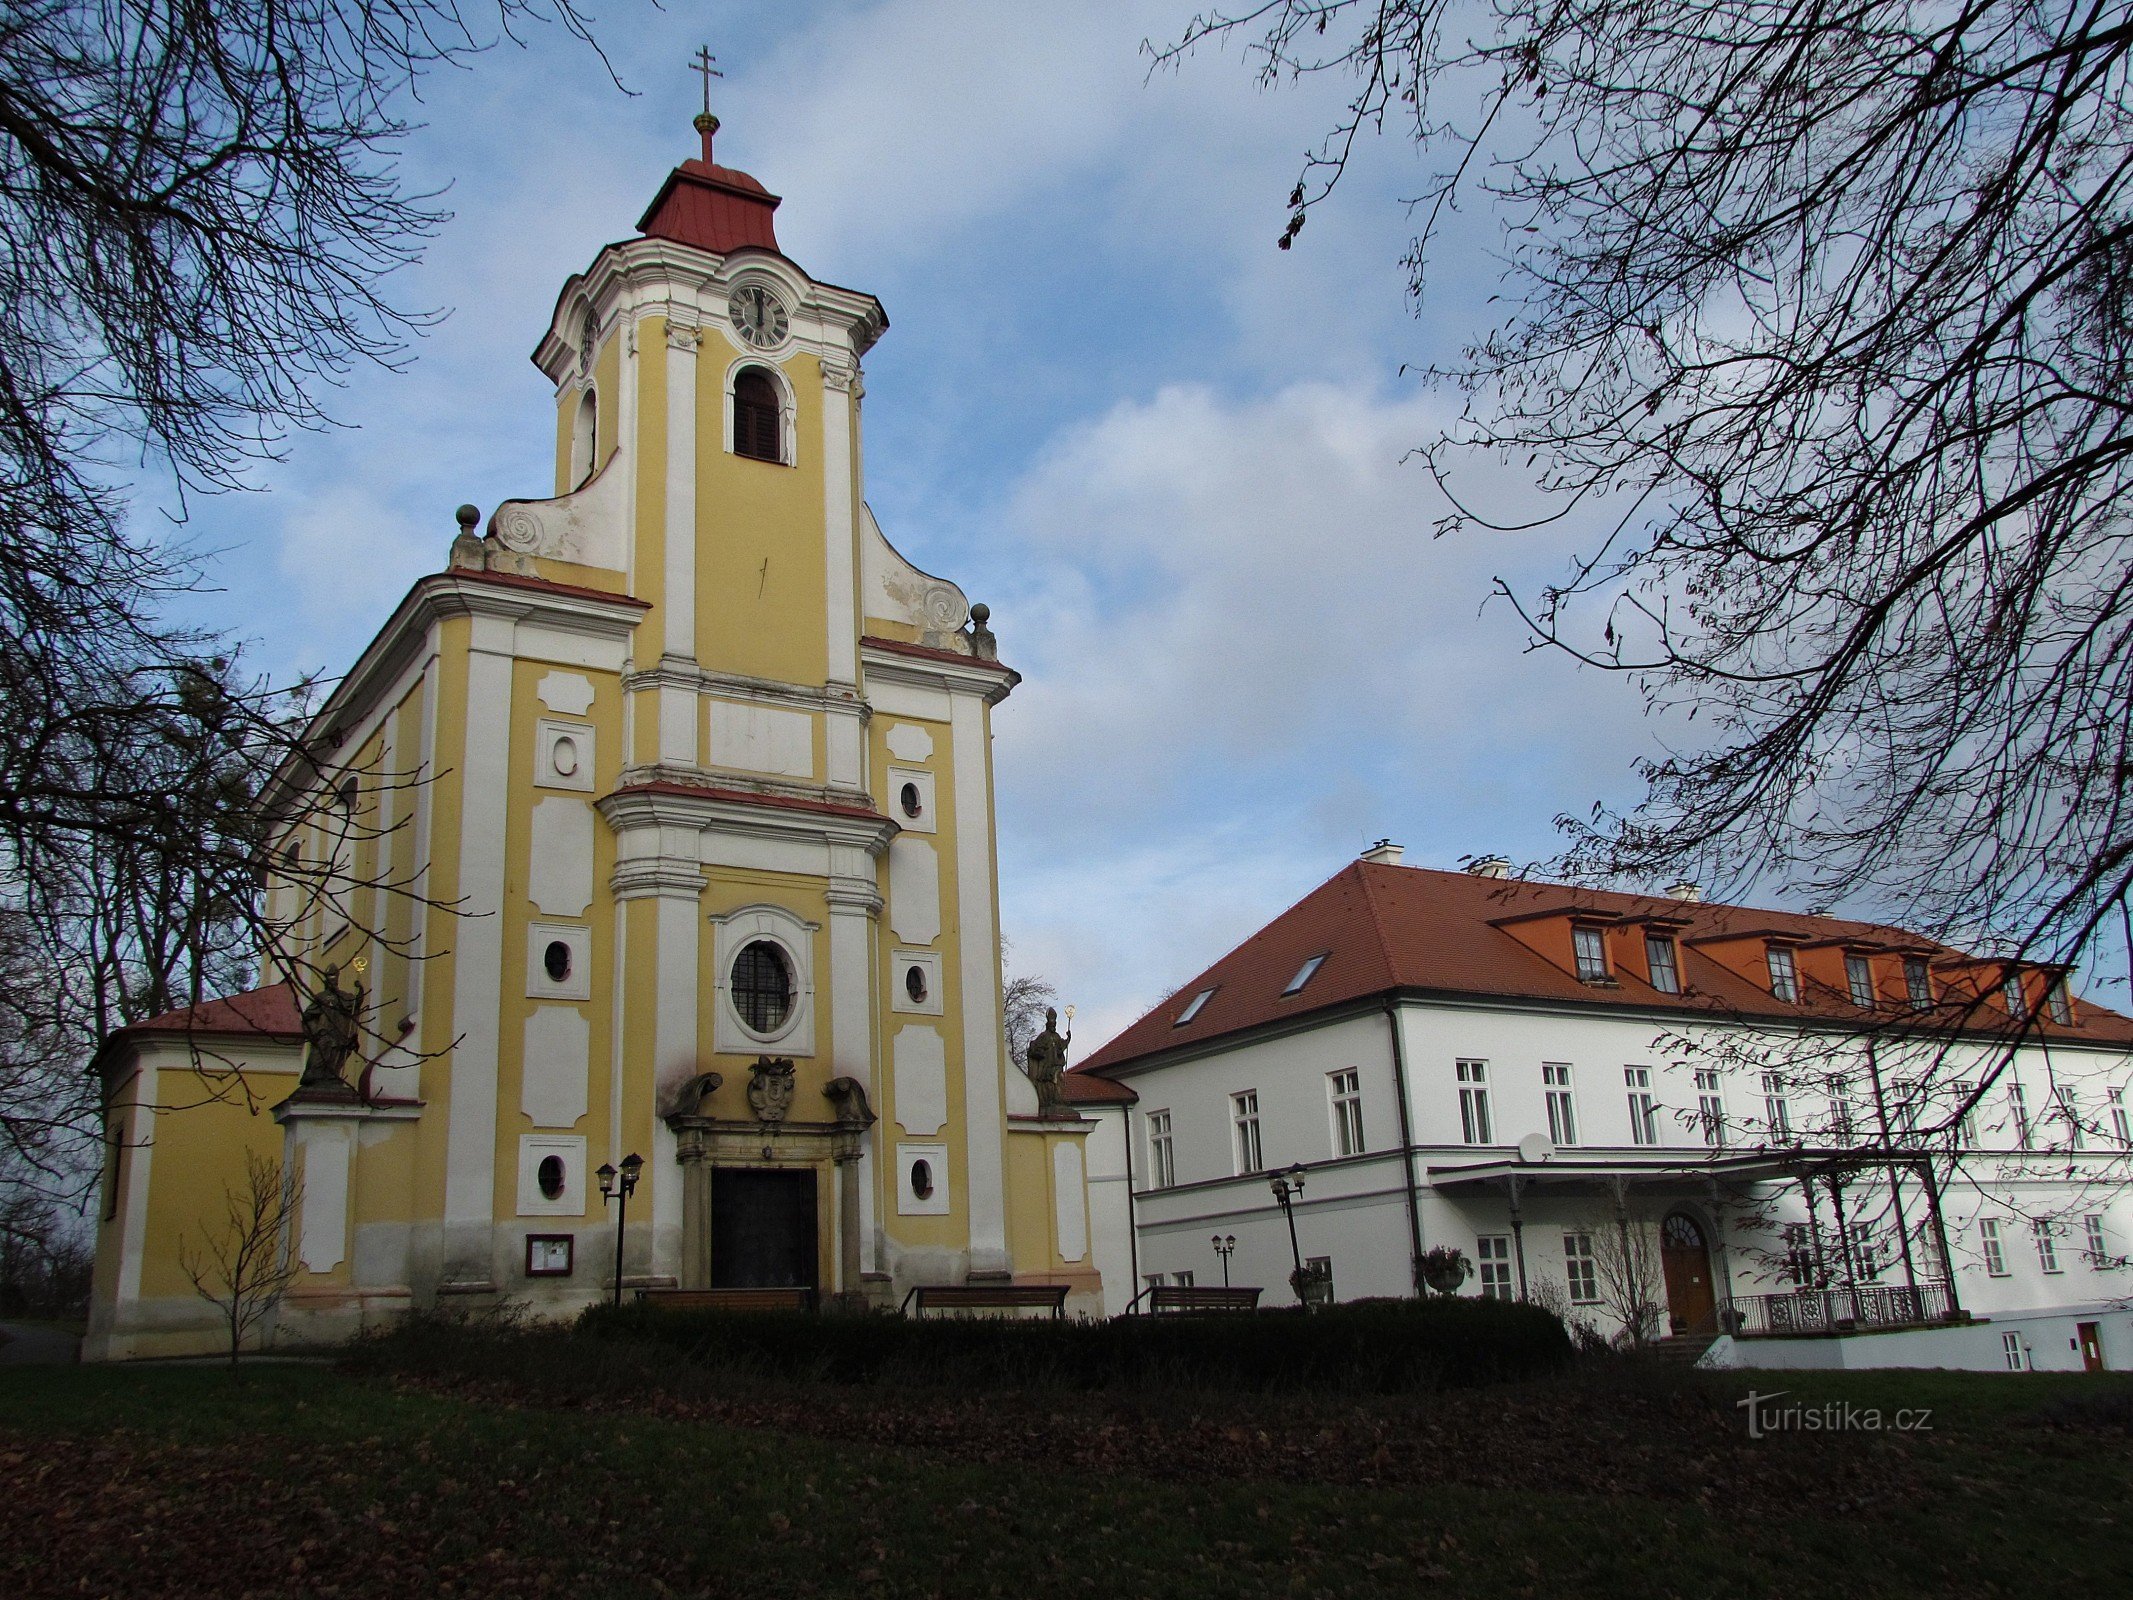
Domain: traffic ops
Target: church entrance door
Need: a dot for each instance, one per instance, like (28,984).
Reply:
(1685,1260)
(762,1229)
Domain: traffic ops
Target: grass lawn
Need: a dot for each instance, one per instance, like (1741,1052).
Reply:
(309,1480)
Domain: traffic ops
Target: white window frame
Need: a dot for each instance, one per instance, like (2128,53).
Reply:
(1992,1247)
(1588,947)
(2013,1351)
(793,936)
(1581,1269)
(1966,1123)
(1475,1125)
(2070,1111)
(1492,1266)
(1784,970)
(788,405)
(1643,1106)
(1671,966)
(1561,1097)
(1162,1152)
(2095,1246)
(1777,1109)
(1710,1107)
(1840,1110)
(2121,1123)
(2013,997)
(1859,980)
(2045,1233)
(2058,1003)
(2018,1109)
(1249,1151)
(1918,981)
(1344,1102)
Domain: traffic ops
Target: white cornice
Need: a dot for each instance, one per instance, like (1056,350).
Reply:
(987,679)
(629,810)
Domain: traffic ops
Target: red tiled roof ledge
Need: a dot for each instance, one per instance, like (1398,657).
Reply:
(1079,1087)
(516,580)
(750,797)
(927,652)
(270,1013)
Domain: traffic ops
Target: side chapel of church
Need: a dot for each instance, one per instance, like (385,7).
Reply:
(660,823)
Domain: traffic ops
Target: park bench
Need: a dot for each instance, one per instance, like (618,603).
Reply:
(1178,1297)
(987,1297)
(729,1299)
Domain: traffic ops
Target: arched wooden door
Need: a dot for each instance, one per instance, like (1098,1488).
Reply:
(1685,1258)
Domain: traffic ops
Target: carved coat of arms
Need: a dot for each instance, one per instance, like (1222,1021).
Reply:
(770,1085)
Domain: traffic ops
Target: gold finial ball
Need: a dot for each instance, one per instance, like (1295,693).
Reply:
(705,122)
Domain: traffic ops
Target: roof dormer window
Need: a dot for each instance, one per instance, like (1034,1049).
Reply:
(1918,981)
(1193,1009)
(1590,945)
(2058,1004)
(2011,993)
(1784,974)
(1859,978)
(1663,960)
(1305,973)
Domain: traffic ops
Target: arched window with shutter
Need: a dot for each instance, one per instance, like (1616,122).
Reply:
(758,416)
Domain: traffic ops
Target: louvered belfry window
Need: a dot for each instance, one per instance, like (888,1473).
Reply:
(756,416)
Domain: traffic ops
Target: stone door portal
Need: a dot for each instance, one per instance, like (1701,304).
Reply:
(763,1230)
(1685,1259)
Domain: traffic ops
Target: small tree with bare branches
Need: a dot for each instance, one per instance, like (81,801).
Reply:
(1626,1267)
(246,1267)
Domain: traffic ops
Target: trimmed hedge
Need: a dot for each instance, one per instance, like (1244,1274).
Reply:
(1367,1347)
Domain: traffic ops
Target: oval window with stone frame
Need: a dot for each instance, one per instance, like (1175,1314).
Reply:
(762,987)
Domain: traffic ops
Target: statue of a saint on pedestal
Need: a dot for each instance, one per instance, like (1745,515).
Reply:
(1045,1063)
(331,1024)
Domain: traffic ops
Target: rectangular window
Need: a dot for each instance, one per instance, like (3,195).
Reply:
(1859,978)
(1562,1113)
(1474,1102)
(2018,1109)
(1151,1280)
(1162,1156)
(2047,1245)
(1304,975)
(2121,1124)
(2092,1244)
(1840,1111)
(2011,992)
(1182,1280)
(1591,947)
(1988,1239)
(1492,1261)
(2070,1113)
(1918,981)
(1799,1256)
(2012,1353)
(1710,1108)
(1193,1010)
(1643,1109)
(1659,957)
(1244,1112)
(1777,1110)
(1966,1118)
(1581,1268)
(2059,1004)
(1346,1090)
(1784,974)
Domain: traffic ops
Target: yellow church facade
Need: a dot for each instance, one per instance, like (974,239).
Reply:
(659,823)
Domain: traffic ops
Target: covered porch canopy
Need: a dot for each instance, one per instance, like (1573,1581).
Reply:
(1616,1175)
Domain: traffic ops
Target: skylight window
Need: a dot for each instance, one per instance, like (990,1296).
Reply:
(1304,974)
(1193,1010)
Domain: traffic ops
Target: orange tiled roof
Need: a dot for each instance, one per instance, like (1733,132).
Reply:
(271,1012)
(1383,928)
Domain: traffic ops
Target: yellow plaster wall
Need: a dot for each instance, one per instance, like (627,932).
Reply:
(206,1122)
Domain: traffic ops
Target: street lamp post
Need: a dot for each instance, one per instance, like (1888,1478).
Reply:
(1225,1244)
(1287,1185)
(619,1187)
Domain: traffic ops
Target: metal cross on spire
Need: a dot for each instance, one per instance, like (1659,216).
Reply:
(705,62)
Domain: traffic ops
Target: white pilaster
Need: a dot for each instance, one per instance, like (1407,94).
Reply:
(854,903)
(477,994)
(840,537)
(678,704)
(985,1124)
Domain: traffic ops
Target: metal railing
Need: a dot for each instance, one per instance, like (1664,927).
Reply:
(1842,1310)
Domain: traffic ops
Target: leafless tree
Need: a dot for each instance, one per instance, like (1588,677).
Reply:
(45,1256)
(1625,1255)
(246,1266)
(1022,1008)
(200,216)
(1825,314)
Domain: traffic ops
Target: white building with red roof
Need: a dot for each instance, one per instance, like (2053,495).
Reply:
(1787,1139)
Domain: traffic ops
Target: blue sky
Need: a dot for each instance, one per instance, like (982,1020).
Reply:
(1168,455)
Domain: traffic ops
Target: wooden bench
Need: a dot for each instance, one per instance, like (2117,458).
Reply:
(987,1297)
(1177,1297)
(729,1299)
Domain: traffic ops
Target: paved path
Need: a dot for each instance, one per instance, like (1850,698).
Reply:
(25,1344)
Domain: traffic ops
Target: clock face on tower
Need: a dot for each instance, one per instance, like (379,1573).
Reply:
(758,315)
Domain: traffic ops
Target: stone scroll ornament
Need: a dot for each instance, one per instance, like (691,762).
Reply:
(770,1088)
(330,1030)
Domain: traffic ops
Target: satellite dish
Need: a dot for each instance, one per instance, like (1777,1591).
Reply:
(1535,1147)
